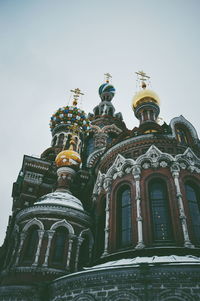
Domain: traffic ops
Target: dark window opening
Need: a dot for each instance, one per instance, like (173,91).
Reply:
(59,246)
(161,221)
(124,220)
(192,195)
(60,140)
(31,245)
(182,137)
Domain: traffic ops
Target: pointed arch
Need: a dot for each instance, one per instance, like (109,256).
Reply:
(63,223)
(33,222)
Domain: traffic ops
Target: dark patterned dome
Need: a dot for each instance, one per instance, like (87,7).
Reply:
(106,89)
(72,117)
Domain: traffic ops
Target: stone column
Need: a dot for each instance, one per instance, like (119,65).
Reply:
(22,239)
(50,236)
(175,173)
(37,254)
(107,187)
(79,243)
(136,175)
(70,242)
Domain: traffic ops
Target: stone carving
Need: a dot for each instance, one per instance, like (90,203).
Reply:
(146,165)
(153,158)
(163,164)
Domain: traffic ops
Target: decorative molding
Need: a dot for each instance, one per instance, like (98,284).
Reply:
(63,223)
(94,156)
(55,209)
(153,159)
(32,222)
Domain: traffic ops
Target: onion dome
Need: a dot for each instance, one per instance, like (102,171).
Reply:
(145,96)
(68,158)
(106,91)
(72,117)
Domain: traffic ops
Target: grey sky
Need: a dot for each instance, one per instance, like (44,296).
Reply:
(49,47)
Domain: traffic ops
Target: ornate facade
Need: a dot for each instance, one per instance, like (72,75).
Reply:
(107,213)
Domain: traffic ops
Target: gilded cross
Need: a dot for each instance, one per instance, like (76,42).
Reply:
(143,77)
(77,92)
(108,76)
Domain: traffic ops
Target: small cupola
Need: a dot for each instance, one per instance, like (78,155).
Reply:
(145,103)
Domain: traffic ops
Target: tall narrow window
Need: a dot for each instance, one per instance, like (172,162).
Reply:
(60,140)
(59,246)
(182,137)
(192,195)
(31,244)
(161,221)
(100,232)
(124,217)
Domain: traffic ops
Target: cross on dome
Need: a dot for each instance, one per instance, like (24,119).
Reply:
(143,77)
(77,92)
(108,76)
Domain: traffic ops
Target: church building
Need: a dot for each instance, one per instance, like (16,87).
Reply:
(107,213)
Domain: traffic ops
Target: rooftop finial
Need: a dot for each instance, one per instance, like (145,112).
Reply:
(77,92)
(142,78)
(108,76)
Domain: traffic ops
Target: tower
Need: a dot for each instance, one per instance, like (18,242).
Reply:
(107,213)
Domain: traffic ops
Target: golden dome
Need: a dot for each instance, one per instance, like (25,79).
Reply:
(145,96)
(68,158)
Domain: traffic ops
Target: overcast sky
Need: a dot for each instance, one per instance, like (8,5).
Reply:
(49,47)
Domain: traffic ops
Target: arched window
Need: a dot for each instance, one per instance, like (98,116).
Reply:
(124,221)
(181,136)
(30,244)
(192,195)
(160,216)
(60,237)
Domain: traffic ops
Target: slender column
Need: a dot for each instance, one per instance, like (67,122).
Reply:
(108,188)
(142,116)
(40,235)
(136,174)
(22,238)
(64,140)
(187,242)
(70,242)
(50,236)
(79,243)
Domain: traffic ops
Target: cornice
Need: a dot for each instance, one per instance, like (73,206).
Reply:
(53,210)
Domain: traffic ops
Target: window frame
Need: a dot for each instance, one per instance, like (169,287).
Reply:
(119,231)
(168,213)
